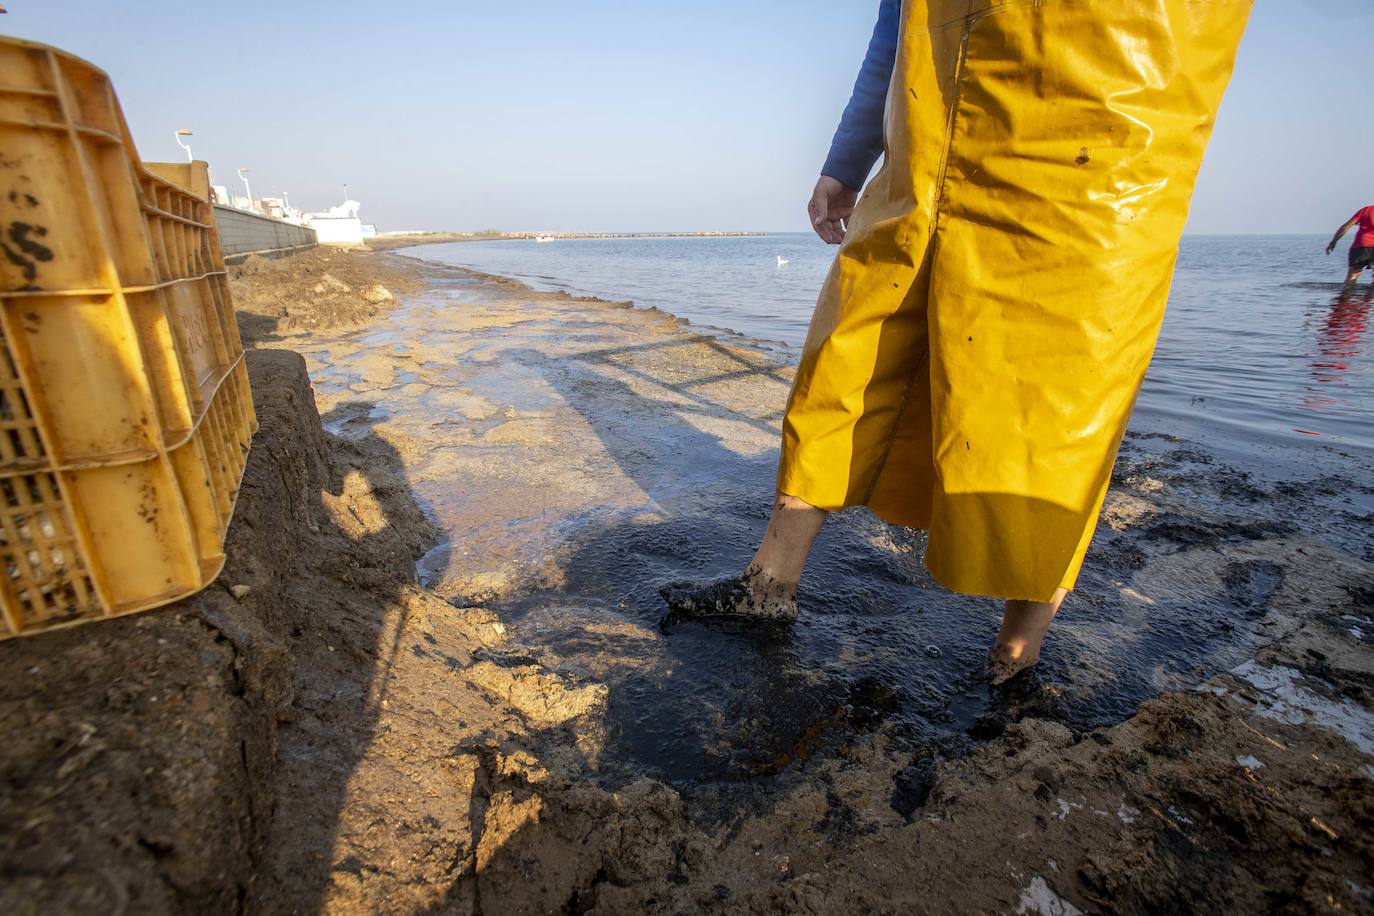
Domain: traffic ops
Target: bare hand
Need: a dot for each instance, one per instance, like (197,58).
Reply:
(1330,248)
(830,207)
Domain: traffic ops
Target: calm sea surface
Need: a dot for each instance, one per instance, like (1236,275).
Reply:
(1261,358)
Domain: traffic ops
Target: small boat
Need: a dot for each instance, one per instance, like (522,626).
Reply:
(782,261)
(543,237)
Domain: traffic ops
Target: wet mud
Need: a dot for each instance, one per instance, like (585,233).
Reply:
(576,455)
(141,763)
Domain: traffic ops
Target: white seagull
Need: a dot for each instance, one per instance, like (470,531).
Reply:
(782,260)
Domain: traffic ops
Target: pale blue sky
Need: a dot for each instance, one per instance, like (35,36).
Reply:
(596,115)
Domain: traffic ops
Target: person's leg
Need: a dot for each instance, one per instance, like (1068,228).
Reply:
(1356,262)
(792,529)
(767,589)
(1024,624)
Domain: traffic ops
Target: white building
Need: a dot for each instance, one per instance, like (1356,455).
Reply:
(338,225)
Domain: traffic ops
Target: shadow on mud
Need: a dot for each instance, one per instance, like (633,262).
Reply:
(257,329)
(346,619)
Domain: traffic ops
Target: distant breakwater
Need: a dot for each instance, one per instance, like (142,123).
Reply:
(403,239)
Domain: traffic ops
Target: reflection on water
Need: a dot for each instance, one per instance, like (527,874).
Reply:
(1340,340)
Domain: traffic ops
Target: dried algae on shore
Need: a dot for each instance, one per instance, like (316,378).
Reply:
(513,734)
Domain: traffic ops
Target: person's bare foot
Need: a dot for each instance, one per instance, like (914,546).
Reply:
(1024,625)
(755,595)
(1003,665)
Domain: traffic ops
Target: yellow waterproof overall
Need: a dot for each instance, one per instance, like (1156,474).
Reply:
(977,348)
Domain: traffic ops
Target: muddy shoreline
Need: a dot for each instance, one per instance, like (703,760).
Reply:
(575,451)
(511,733)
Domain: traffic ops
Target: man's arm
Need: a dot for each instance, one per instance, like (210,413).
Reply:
(859,140)
(1349,224)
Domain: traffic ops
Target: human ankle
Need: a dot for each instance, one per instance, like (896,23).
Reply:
(770,581)
(1023,630)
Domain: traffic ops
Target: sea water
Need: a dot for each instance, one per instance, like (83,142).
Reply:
(1262,358)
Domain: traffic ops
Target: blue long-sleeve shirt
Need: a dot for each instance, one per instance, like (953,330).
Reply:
(859,139)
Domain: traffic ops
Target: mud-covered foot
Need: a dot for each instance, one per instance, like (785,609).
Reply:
(752,596)
(1003,664)
(1024,624)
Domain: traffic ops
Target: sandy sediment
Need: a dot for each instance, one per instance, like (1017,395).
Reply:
(140,767)
(277,299)
(340,739)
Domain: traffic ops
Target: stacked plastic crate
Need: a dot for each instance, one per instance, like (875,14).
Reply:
(125,414)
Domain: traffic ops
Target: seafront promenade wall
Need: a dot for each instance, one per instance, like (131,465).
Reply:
(242,233)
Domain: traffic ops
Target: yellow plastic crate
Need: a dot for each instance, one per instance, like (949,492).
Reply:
(125,414)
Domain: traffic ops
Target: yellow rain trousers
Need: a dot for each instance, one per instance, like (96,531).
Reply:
(979,342)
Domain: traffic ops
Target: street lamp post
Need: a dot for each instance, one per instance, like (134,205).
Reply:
(186,146)
(243,173)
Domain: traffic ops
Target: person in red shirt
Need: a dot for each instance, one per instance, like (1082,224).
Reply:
(1362,251)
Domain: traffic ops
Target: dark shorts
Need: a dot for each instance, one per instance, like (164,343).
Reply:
(1360,258)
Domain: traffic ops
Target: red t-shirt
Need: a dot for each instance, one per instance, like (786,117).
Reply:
(1364,227)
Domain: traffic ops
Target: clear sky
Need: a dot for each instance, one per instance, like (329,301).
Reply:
(598,115)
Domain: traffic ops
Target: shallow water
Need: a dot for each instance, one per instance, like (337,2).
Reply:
(1261,356)
(599,463)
